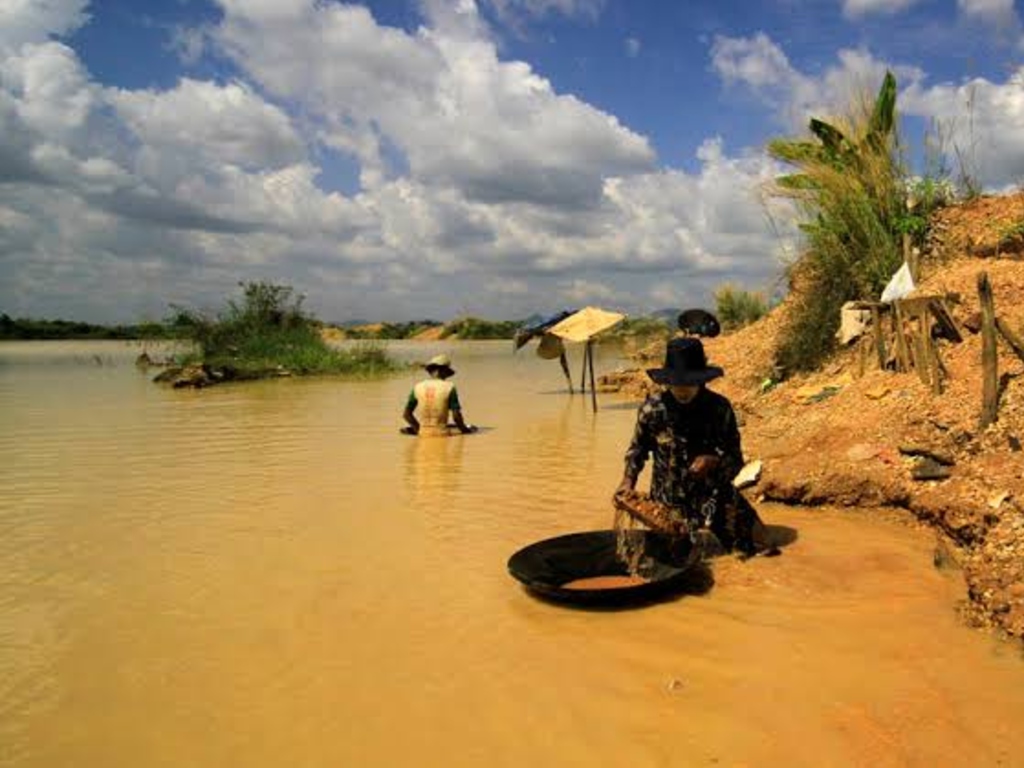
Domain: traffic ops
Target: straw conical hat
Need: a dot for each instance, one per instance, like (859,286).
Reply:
(550,347)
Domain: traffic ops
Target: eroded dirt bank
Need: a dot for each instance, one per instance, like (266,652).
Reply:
(865,438)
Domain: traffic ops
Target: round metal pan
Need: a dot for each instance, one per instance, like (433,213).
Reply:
(545,567)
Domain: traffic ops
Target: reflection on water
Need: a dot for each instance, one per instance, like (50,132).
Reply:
(432,468)
(269,574)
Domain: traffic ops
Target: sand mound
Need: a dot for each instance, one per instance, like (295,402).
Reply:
(429,334)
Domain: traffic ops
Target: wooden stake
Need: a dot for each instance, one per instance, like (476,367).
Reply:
(917,347)
(945,320)
(902,354)
(932,355)
(565,368)
(583,373)
(989,354)
(911,258)
(938,361)
(876,326)
(1011,338)
(593,389)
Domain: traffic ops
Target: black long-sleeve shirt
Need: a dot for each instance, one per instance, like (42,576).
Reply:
(674,434)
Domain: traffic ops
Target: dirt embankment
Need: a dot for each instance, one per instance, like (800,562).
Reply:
(840,436)
(431,333)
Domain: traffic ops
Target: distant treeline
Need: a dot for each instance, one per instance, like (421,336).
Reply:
(464,328)
(23,328)
(475,328)
(736,308)
(391,330)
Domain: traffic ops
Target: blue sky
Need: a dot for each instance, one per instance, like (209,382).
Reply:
(431,158)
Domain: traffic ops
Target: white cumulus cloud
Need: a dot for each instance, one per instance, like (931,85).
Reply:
(35,21)
(982,120)
(226,123)
(480,187)
(760,64)
(989,10)
(756,61)
(998,16)
(858,8)
(441,102)
(515,11)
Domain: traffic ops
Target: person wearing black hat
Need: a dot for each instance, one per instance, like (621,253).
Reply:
(437,397)
(692,436)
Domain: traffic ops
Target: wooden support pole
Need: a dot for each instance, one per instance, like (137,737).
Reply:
(583,373)
(902,355)
(1011,338)
(947,324)
(989,353)
(565,368)
(917,347)
(932,355)
(593,389)
(942,366)
(876,326)
(911,258)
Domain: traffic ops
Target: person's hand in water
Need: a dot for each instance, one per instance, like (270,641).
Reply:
(461,425)
(626,486)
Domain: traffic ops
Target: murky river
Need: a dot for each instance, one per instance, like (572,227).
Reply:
(270,575)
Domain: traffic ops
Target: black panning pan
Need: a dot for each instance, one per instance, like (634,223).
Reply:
(545,567)
(699,322)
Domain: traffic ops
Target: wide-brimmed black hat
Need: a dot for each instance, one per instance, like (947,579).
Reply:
(685,363)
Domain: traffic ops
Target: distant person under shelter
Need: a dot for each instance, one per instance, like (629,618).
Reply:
(434,398)
(692,435)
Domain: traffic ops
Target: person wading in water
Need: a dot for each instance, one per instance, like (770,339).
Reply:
(435,397)
(692,434)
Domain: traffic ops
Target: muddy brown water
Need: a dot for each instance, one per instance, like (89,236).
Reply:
(605,582)
(269,574)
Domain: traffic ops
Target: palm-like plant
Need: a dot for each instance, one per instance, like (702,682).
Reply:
(833,149)
(847,188)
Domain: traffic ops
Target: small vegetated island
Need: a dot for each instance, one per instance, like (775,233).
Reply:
(264,335)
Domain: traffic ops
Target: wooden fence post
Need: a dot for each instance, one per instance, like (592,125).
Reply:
(902,353)
(1011,338)
(934,367)
(911,259)
(876,325)
(918,348)
(989,354)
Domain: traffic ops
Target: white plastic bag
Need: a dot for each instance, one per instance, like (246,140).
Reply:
(853,323)
(901,284)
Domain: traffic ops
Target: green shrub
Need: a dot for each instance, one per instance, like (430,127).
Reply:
(646,327)
(850,193)
(736,307)
(268,331)
(813,319)
(475,328)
